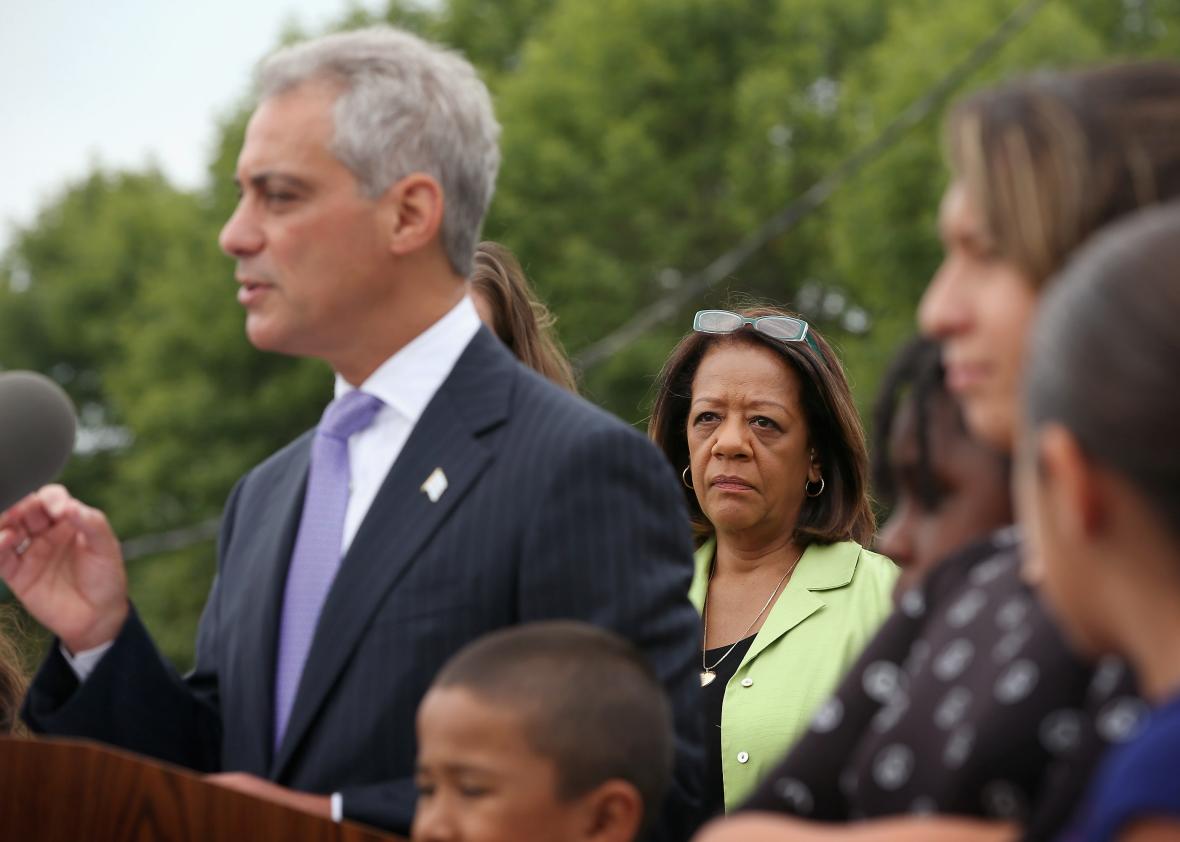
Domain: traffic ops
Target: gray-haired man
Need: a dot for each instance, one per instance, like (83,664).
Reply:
(447,492)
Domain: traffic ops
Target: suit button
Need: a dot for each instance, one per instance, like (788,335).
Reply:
(743,757)
(747,682)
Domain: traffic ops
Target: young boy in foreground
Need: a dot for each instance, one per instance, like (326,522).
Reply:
(539,733)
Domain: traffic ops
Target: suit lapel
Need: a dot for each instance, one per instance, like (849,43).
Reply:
(264,544)
(402,518)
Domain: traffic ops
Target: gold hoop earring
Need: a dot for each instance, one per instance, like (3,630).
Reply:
(807,488)
(684,478)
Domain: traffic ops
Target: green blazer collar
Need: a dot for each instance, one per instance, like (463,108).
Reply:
(821,568)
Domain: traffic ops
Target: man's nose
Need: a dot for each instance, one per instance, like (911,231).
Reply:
(241,236)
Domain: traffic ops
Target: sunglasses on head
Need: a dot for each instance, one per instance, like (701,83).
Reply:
(782,328)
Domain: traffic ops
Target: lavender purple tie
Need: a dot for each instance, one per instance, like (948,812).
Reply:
(316,556)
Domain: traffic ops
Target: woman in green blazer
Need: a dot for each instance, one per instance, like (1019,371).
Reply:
(754,410)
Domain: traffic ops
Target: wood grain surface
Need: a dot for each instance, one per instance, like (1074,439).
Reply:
(56,790)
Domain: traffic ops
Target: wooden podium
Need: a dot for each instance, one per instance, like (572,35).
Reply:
(77,791)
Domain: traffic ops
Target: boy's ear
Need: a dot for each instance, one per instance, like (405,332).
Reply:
(1075,501)
(611,812)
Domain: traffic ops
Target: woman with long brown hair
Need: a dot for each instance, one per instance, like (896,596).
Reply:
(754,411)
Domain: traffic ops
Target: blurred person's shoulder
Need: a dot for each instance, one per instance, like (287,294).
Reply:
(991,563)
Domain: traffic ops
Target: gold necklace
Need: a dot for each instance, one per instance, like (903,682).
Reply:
(707,674)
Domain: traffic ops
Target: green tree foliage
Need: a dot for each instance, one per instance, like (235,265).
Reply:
(72,293)
(72,283)
(642,138)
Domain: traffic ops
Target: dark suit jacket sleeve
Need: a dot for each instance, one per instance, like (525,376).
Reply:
(611,545)
(134,699)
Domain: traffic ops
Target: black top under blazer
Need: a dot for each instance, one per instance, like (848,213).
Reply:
(554,509)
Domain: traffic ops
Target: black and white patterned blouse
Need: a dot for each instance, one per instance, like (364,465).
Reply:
(967,702)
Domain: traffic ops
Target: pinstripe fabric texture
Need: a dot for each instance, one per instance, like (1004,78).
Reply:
(553,509)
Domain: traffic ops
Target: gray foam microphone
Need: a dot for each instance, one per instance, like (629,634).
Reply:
(37,429)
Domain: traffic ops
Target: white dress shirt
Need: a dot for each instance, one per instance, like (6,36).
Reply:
(406,383)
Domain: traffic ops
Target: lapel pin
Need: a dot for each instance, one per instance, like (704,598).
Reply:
(435,485)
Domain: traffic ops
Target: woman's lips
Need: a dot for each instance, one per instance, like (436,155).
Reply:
(727,483)
(964,377)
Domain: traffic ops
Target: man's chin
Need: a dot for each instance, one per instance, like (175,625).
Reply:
(263,336)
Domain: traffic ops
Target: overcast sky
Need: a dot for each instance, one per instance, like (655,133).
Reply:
(125,82)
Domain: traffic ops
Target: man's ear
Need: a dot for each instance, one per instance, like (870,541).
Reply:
(412,213)
(611,812)
(1071,483)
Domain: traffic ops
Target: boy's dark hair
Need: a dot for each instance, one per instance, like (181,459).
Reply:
(587,701)
(1102,360)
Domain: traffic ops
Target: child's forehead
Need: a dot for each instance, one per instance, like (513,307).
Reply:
(475,724)
(468,701)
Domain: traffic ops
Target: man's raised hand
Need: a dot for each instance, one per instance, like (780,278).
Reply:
(63,562)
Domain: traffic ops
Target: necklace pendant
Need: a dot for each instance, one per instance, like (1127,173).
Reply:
(707,677)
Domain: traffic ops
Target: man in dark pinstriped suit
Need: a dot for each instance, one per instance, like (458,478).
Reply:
(480,495)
